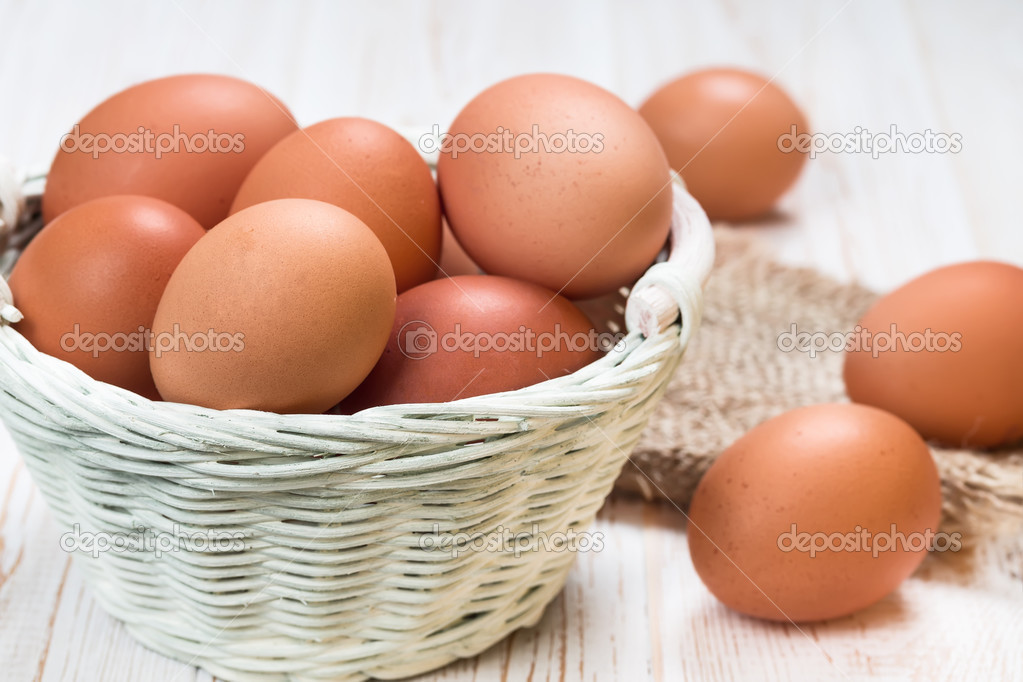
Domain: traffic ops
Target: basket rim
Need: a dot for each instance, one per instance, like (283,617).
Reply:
(55,381)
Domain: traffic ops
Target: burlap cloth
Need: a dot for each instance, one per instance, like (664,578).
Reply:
(735,376)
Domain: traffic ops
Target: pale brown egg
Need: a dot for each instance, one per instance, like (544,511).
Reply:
(816,513)
(90,282)
(470,335)
(721,129)
(285,307)
(556,181)
(945,353)
(189,140)
(367,169)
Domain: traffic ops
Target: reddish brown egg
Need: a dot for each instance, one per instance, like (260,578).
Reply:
(556,181)
(470,335)
(285,307)
(189,140)
(367,169)
(90,282)
(721,130)
(816,513)
(945,353)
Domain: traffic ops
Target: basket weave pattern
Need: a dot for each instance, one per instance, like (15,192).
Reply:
(335,580)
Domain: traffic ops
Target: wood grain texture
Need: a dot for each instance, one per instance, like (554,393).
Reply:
(635,610)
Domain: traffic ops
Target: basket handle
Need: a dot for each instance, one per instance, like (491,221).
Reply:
(12,203)
(673,289)
(12,198)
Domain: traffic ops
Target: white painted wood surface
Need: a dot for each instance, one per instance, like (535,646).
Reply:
(636,610)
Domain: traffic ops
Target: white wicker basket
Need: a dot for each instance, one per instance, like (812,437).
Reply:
(335,580)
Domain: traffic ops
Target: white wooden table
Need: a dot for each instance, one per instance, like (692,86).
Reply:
(636,610)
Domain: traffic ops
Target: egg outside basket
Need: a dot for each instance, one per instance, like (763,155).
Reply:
(314,547)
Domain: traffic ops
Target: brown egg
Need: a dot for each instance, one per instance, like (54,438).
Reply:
(90,282)
(471,335)
(285,307)
(816,513)
(367,169)
(720,129)
(945,353)
(189,140)
(568,186)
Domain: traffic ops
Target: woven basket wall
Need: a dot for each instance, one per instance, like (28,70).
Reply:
(334,580)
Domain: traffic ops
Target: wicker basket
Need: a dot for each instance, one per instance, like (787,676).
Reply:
(339,567)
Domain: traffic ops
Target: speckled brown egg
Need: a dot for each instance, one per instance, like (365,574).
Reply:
(779,524)
(945,353)
(367,169)
(470,335)
(90,282)
(553,180)
(284,307)
(721,129)
(189,140)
